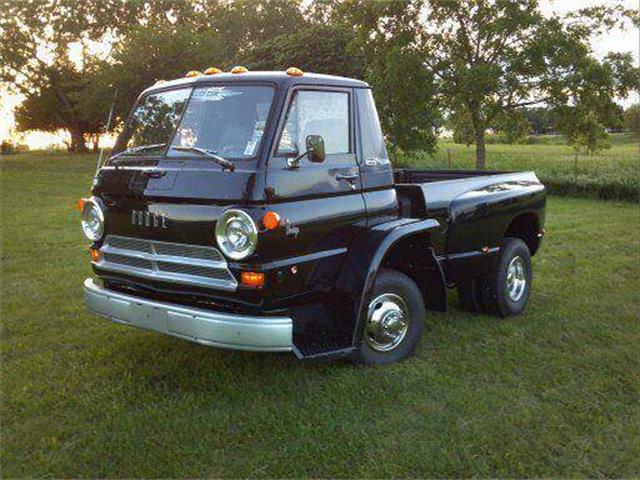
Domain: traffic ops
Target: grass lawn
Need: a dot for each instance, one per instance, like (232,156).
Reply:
(553,392)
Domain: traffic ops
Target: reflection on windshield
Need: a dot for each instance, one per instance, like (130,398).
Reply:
(153,122)
(226,120)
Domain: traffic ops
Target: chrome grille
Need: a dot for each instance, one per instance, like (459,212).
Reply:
(190,251)
(129,261)
(130,244)
(172,262)
(191,270)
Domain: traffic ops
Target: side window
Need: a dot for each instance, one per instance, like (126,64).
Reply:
(316,113)
(373,146)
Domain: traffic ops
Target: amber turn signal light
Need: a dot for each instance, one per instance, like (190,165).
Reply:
(271,220)
(80,204)
(212,71)
(95,254)
(239,69)
(252,279)
(294,72)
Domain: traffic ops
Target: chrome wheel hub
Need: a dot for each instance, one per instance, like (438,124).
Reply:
(516,279)
(387,322)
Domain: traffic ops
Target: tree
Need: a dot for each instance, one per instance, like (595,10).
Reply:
(492,58)
(151,40)
(315,47)
(632,118)
(60,104)
(45,55)
(208,34)
(151,53)
(35,60)
(389,40)
(542,120)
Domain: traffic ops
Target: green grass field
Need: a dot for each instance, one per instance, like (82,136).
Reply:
(551,393)
(609,174)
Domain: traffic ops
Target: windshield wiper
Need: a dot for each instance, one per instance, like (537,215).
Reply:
(139,148)
(223,162)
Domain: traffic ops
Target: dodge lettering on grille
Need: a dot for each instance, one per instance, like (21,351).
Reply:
(148,219)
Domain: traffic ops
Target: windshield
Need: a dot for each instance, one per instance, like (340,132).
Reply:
(153,122)
(226,120)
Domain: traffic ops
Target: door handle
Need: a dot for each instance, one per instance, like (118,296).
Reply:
(154,173)
(348,177)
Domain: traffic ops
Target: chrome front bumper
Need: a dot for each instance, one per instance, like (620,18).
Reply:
(240,332)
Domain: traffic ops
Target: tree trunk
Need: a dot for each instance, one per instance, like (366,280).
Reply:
(481,152)
(78,143)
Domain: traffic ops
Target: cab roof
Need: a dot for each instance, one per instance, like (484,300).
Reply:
(278,77)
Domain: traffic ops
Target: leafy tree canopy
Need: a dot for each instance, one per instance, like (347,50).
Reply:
(632,118)
(37,38)
(390,39)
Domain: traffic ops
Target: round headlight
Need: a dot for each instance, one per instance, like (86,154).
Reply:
(93,219)
(237,234)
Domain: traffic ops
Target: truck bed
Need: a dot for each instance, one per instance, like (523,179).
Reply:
(431,192)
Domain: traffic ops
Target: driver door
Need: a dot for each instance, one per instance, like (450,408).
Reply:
(324,200)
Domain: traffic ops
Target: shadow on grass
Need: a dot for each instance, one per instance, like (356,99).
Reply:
(164,364)
(161,363)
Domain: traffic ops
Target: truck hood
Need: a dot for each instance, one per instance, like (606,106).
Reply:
(197,180)
(172,201)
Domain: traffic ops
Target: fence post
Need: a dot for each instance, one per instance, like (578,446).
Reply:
(575,171)
(449,162)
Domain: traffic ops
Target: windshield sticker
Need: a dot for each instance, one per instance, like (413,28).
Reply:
(187,136)
(255,138)
(214,94)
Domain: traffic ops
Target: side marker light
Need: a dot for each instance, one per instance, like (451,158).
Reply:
(252,279)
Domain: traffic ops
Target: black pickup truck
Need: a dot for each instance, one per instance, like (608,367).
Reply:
(259,211)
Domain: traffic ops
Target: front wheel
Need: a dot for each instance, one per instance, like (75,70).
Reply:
(395,320)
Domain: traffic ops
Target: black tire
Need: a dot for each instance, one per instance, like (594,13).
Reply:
(392,284)
(470,295)
(495,297)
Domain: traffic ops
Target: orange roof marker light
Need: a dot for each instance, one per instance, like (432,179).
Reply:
(160,82)
(239,69)
(193,73)
(271,220)
(294,72)
(212,71)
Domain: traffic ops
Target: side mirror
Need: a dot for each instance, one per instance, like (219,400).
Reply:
(315,148)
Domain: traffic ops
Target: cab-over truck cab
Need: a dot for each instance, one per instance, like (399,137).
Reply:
(259,211)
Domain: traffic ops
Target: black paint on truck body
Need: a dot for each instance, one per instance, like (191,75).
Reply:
(345,219)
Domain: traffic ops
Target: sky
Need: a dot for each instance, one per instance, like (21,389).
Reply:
(614,41)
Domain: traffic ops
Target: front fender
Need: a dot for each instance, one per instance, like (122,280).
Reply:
(346,303)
